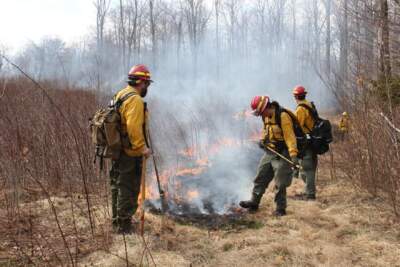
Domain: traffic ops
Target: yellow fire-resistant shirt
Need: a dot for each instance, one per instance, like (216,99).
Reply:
(272,133)
(344,124)
(304,117)
(133,117)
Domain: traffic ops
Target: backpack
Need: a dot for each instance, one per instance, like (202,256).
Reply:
(321,133)
(105,128)
(301,137)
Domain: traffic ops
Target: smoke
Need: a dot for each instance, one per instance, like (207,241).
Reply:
(205,72)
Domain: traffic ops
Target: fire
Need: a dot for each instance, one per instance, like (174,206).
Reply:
(192,194)
(180,183)
(224,142)
(190,172)
(189,152)
(203,162)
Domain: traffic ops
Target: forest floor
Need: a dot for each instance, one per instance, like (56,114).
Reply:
(343,227)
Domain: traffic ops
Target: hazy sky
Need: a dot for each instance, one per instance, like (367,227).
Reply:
(22,21)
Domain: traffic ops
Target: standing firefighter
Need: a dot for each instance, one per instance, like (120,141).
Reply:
(344,125)
(310,158)
(278,136)
(126,171)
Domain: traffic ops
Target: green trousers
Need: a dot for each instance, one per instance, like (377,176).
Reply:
(272,167)
(125,179)
(309,168)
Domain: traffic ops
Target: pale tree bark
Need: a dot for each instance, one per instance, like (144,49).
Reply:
(294,21)
(316,30)
(132,35)
(385,64)
(153,33)
(217,4)
(122,35)
(344,45)
(328,10)
(102,7)
(196,17)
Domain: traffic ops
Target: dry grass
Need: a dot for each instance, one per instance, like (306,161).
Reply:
(343,228)
(44,219)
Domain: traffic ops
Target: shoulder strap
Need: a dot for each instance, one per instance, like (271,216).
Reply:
(122,99)
(313,111)
(278,114)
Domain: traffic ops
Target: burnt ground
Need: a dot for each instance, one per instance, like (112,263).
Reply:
(343,228)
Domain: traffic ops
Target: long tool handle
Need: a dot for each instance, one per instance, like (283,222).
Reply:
(164,205)
(143,195)
(283,157)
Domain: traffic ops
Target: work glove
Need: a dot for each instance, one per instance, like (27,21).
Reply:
(296,166)
(147,152)
(261,144)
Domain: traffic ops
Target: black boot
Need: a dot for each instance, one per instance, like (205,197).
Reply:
(115,226)
(125,227)
(251,205)
(311,197)
(279,212)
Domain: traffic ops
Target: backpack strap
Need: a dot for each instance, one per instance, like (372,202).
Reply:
(278,114)
(313,110)
(122,99)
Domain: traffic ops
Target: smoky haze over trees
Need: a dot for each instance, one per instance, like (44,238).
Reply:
(263,46)
(208,58)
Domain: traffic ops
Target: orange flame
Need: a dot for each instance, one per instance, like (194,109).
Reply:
(192,194)
(191,172)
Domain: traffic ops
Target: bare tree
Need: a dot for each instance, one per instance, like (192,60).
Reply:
(196,17)
(328,8)
(385,64)
(344,44)
(102,7)
(122,34)
(153,32)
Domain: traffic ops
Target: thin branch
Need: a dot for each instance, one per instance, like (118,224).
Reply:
(391,124)
(69,124)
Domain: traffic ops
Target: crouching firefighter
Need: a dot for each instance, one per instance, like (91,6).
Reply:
(280,144)
(126,171)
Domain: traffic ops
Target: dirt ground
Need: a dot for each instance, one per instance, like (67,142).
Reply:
(342,228)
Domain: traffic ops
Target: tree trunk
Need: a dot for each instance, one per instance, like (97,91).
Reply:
(344,47)
(328,37)
(153,33)
(122,37)
(385,65)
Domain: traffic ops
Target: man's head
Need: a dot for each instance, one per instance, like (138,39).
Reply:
(299,93)
(262,106)
(140,78)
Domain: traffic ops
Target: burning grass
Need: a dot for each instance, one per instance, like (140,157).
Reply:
(343,228)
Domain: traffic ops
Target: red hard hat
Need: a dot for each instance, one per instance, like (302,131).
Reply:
(139,72)
(299,90)
(259,104)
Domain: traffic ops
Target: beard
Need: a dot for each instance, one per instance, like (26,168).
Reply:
(143,92)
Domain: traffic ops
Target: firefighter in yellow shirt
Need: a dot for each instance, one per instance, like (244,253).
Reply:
(309,161)
(344,125)
(281,138)
(125,173)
